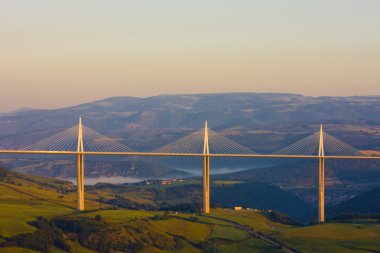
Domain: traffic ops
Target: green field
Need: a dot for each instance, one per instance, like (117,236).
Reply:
(228,232)
(191,230)
(250,245)
(335,237)
(118,215)
(23,199)
(15,215)
(16,250)
(226,182)
(329,237)
(251,218)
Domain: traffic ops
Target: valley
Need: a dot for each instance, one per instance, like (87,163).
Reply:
(34,207)
(158,208)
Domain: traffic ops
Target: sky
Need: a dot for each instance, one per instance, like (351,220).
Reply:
(61,53)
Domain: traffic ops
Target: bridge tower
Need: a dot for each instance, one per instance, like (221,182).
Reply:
(321,176)
(206,172)
(80,168)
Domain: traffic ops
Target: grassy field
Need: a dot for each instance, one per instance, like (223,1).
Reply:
(329,237)
(15,215)
(191,230)
(226,182)
(251,218)
(228,232)
(187,248)
(16,250)
(118,215)
(250,245)
(75,248)
(203,219)
(17,209)
(24,199)
(336,237)
(135,194)
(194,228)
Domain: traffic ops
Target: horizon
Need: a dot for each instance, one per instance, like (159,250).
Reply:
(27,108)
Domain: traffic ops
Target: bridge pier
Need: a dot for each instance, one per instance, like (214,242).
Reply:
(206,172)
(80,168)
(321,190)
(80,182)
(321,179)
(206,184)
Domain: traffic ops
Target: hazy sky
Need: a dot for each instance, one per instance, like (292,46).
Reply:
(58,53)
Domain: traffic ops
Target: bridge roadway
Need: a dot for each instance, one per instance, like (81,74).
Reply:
(43,152)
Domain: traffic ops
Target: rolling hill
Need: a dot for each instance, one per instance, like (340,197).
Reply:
(264,122)
(66,168)
(365,203)
(344,179)
(261,121)
(37,215)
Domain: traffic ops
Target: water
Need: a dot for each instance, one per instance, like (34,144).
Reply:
(213,171)
(110,180)
(122,180)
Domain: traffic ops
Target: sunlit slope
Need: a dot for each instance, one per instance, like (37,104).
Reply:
(162,232)
(357,236)
(22,198)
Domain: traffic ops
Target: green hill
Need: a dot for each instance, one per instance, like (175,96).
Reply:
(38,215)
(66,168)
(187,196)
(24,197)
(261,196)
(365,203)
(344,178)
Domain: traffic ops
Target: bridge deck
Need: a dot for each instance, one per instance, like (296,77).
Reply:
(94,153)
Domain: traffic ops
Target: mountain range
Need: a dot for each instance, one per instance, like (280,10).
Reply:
(264,122)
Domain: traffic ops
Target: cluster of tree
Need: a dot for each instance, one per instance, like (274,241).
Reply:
(133,236)
(42,240)
(281,218)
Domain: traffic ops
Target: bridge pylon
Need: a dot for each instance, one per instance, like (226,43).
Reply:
(206,172)
(321,178)
(80,168)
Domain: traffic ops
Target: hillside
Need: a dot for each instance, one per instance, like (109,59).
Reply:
(187,196)
(261,196)
(261,121)
(264,122)
(23,197)
(180,195)
(34,217)
(94,168)
(365,203)
(344,179)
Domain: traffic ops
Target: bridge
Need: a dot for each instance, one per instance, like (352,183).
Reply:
(205,143)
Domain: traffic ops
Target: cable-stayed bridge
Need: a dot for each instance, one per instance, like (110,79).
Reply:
(206,143)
